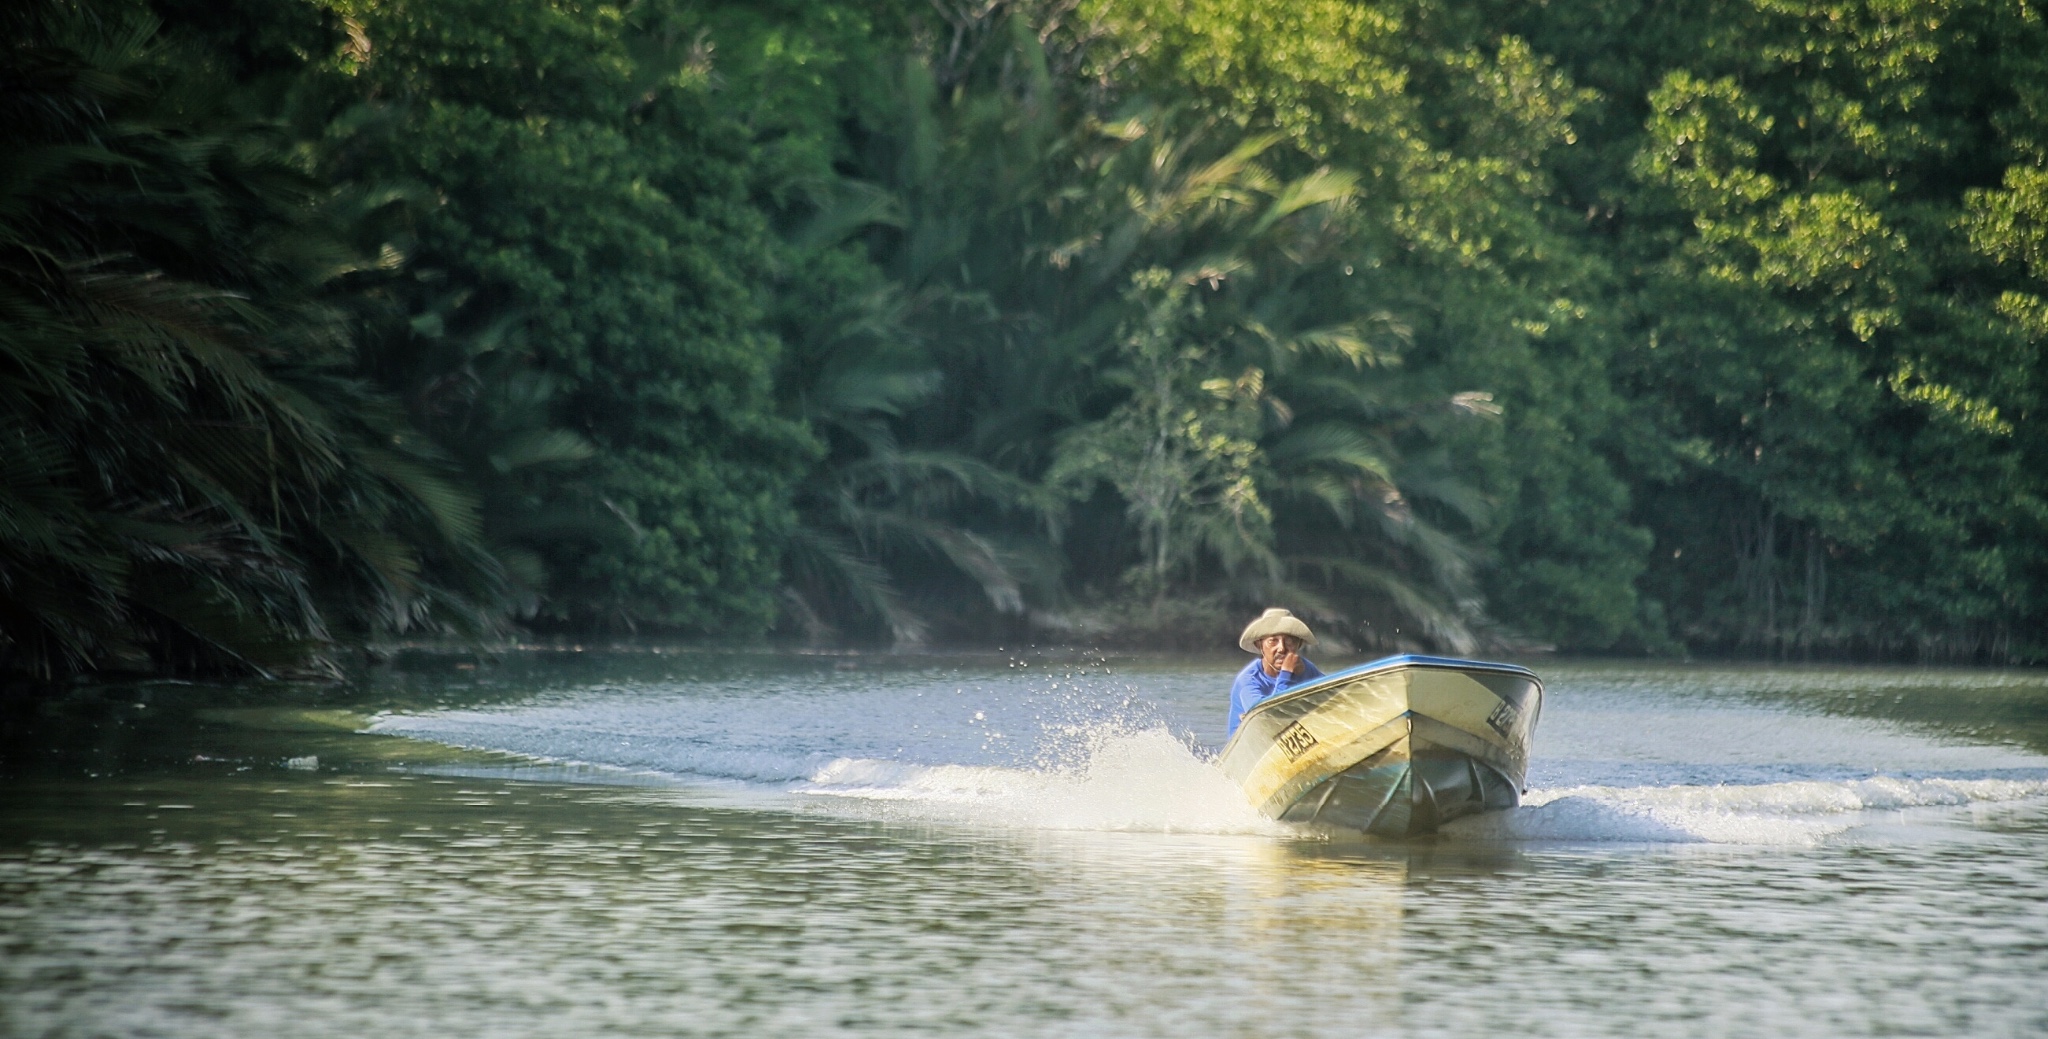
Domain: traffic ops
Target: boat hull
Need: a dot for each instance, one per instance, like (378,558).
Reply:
(1394,748)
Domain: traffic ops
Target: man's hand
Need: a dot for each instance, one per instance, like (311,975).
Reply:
(1279,653)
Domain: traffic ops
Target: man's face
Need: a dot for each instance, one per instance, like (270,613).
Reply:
(1275,648)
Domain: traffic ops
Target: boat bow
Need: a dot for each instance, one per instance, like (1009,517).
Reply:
(1395,747)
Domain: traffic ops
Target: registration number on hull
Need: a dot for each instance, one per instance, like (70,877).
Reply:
(1503,718)
(1295,740)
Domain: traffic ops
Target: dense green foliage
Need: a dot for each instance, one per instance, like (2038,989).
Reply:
(583,174)
(1813,213)
(194,477)
(1612,325)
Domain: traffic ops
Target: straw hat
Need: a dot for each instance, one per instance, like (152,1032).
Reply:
(1274,622)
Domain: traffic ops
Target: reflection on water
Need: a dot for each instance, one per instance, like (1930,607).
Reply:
(169,876)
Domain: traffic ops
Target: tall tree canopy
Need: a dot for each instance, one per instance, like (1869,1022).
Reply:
(1612,325)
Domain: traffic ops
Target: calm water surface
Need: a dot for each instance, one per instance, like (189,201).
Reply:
(697,845)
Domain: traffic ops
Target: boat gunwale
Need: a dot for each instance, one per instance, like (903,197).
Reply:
(1393,663)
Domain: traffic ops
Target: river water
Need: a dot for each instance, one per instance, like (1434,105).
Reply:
(647,844)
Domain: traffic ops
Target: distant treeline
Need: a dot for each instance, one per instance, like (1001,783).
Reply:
(1613,325)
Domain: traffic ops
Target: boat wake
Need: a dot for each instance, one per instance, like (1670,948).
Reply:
(1112,775)
(1793,813)
(1144,780)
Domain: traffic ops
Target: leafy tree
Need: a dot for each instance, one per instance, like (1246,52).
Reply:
(1181,450)
(1783,181)
(584,177)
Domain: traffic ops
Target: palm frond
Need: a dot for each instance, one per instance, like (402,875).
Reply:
(1438,623)
(851,206)
(1331,444)
(1318,188)
(824,558)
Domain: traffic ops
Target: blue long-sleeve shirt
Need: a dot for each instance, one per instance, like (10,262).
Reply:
(1254,684)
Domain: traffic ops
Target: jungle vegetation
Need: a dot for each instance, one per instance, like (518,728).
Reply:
(1609,325)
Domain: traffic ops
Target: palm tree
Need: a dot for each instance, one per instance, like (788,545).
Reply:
(874,511)
(1140,302)
(195,480)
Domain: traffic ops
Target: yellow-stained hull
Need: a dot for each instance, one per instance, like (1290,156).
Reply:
(1394,748)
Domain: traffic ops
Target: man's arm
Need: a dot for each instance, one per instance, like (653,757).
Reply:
(1237,703)
(1294,669)
(1245,692)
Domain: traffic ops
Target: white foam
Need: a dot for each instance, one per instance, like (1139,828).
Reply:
(1767,814)
(1144,780)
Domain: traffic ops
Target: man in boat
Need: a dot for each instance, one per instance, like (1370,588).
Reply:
(1278,637)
